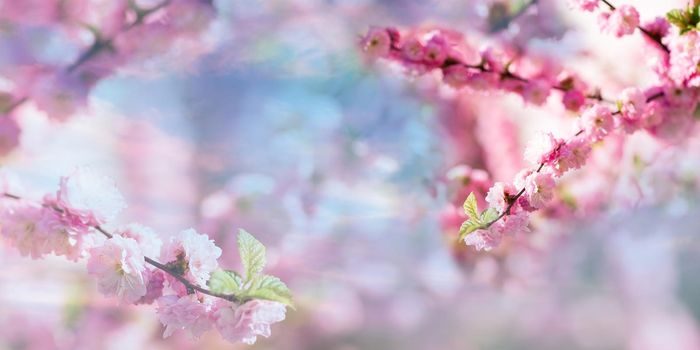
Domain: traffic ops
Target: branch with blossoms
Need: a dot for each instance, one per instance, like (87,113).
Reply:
(665,110)
(191,291)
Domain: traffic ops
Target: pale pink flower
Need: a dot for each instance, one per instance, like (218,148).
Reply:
(545,149)
(684,57)
(483,239)
(120,269)
(622,21)
(498,194)
(9,134)
(148,241)
(574,156)
(185,312)
(597,121)
(248,321)
(585,5)
(633,104)
(88,197)
(20,224)
(536,92)
(377,42)
(63,235)
(539,188)
(195,253)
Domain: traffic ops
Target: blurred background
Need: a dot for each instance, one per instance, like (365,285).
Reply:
(349,171)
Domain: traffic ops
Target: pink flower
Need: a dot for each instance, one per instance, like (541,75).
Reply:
(154,288)
(684,58)
(573,100)
(413,50)
(185,312)
(574,155)
(193,253)
(585,5)
(632,104)
(63,236)
(536,92)
(622,21)
(248,321)
(484,239)
(377,42)
(539,188)
(597,121)
(436,51)
(89,198)
(148,241)
(21,227)
(658,27)
(545,149)
(9,134)
(498,196)
(120,269)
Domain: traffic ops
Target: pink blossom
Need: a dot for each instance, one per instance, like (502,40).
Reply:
(632,107)
(148,241)
(63,236)
(573,100)
(185,312)
(413,50)
(499,195)
(436,51)
(21,227)
(536,92)
(658,27)
(597,121)
(574,155)
(193,253)
(120,269)
(154,288)
(9,134)
(483,239)
(585,5)
(88,198)
(622,21)
(545,149)
(539,188)
(248,321)
(684,58)
(377,42)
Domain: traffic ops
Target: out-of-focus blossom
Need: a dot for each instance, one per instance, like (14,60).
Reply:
(186,312)
(620,22)
(246,322)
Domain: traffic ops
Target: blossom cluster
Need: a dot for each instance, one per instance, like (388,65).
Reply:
(120,32)
(664,110)
(498,66)
(182,275)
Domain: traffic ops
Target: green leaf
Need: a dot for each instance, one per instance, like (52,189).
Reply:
(677,17)
(225,282)
(471,208)
(252,254)
(270,288)
(489,215)
(468,227)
